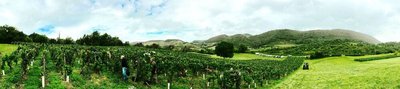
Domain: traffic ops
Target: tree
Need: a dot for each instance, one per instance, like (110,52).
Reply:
(186,49)
(317,55)
(242,48)
(60,41)
(139,44)
(96,39)
(224,49)
(170,47)
(154,46)
(69,40)
(38,38)
(52,41)
(9,34)
(126,43)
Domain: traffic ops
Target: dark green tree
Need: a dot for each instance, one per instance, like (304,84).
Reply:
(154,46)
(60,41)
(170,47)
(96,39)
(224,49)
(69,40)
(242,48)
(38,38)
(186,49)
(52,41)
(317,55)
(139,44)
(9,34)
(126,43)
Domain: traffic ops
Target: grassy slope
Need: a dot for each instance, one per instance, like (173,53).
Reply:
(7,48)
(343,72)
(247,56)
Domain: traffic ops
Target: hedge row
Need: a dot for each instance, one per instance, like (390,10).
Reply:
(376,58)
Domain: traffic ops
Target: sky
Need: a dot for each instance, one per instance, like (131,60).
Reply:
(188,20)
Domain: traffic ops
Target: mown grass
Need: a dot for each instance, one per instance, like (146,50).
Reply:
(7,48)
(344,73)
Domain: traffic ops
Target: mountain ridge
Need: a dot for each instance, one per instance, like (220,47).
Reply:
(281,36)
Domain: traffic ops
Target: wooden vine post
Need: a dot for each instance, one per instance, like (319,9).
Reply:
(169,86)
(2,65)
(44,71)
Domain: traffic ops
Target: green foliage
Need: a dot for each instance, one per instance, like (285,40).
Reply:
(38,38)
(317,55)
(55,81)
(77,80)
(69,40)
(332,48)
(9,34)
(146,66)
(52,41)
(154,46)
(170,47)
(34,77)
(376,58)
(224,49)
(126,43)
(96,39)
(139,45)
(231,79)
(242,48)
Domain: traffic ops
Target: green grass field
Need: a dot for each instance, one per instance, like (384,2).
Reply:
(344,73)
(247,56)
(7,48)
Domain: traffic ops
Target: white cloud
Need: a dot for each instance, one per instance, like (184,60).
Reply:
(132,20)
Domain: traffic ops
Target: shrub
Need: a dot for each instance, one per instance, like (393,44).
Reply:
(317,55)
(376,58)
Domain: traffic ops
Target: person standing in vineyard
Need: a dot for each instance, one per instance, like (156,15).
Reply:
(124,64)
(154,69)
(24,65)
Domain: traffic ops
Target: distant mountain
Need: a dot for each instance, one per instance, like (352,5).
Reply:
(176,43)
(287,36)
(217,38)
(165,42)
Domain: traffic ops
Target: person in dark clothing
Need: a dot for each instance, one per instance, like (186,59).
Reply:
(305,66)
(124,64)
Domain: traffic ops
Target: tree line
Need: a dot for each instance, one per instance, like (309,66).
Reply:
(9,34)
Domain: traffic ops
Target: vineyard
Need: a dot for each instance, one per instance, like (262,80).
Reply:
(73,66)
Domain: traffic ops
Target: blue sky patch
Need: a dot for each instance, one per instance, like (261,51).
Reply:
(47,29)
(92,1)
(156,33)
(157,9)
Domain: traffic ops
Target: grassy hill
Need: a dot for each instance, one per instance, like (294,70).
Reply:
(287,36)
(165,42)
(344,73)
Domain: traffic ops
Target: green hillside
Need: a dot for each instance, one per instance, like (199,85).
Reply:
(287,36)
